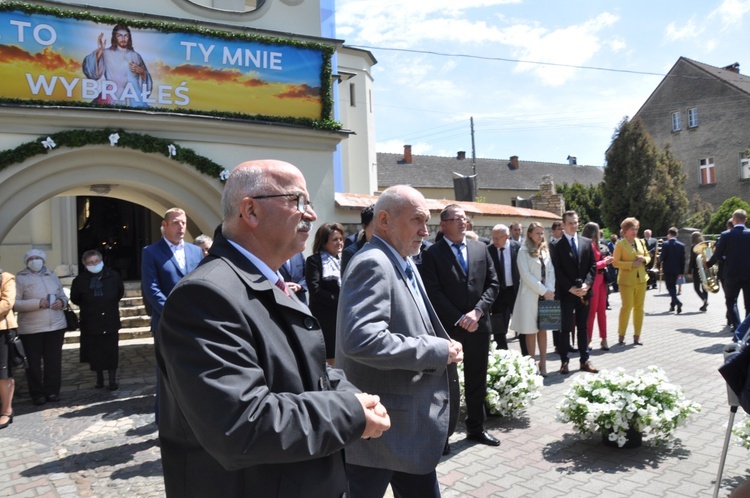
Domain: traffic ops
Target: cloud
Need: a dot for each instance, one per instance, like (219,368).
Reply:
(304,92)
(574,45)
(730,12)
(686,32)
(430,25)
(46,59)
(204,73)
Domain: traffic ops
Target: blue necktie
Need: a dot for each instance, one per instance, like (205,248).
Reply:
(573,245)
(460,258)
(413,281)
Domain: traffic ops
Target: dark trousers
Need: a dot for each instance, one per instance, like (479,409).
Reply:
(732,288)
(670,280)
(44,352)
(476,347)
(570,311)
(698,286)
(370,482)
(502,310)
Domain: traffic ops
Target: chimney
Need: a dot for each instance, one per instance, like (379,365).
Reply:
(572,160)
(461,155)
(407,154)
(513,164)
(735,68)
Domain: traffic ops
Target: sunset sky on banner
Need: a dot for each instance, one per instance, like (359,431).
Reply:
(224,75)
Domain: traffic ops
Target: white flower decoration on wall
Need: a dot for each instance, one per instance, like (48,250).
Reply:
(172,150)
(49,143)
(113,139)
(224,175)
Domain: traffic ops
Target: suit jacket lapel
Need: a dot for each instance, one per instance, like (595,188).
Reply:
(448,252)
(397,266)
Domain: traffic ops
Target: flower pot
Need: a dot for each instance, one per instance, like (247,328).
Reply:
(635,439)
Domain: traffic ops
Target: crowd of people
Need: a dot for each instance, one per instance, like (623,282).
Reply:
(260,393)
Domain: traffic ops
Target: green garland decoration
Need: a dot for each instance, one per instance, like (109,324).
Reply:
(325,123)
(136,141)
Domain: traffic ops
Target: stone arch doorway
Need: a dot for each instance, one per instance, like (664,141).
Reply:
(150,180)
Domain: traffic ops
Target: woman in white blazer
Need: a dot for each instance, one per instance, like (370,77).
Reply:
(537,283)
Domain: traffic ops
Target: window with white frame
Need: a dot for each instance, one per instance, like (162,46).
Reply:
(676,121)
(707,171)
(744,166)
(692,117)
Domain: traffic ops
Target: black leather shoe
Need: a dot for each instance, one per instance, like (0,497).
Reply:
(705,306)
(484,437)
(38,401)
(671,308)
(53,398)
(447,449)
(679,309)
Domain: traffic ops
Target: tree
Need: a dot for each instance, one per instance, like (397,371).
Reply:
(586,201)
(642,181)
(719,220)
(701,215)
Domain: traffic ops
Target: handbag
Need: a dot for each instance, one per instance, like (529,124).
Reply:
(16,352)
(550,315)
(71,319)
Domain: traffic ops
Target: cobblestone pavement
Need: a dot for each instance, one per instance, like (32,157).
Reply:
(97,443)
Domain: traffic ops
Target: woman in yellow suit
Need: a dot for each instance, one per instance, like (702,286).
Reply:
(631,257)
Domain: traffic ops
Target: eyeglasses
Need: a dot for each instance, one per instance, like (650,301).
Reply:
(460,220)
(302,201)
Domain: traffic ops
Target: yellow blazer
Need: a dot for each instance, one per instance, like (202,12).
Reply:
(623,261)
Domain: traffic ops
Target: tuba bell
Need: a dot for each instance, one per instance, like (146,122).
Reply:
(709,276)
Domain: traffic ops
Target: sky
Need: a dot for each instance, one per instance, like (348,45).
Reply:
(542,80)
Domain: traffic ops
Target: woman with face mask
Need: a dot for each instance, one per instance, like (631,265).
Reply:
(41,325)
(98,290)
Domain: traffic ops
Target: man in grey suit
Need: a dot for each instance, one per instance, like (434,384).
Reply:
(248,405)
(389,341)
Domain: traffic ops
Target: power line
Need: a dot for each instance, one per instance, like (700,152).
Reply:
(504,59)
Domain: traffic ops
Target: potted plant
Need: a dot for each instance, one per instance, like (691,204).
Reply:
(513,381)
(625,407)
(742,433)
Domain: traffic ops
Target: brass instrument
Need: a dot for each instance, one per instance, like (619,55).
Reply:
(657,261)
(709,276)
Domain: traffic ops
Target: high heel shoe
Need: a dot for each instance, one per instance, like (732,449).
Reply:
(621,340)
(605,346)
(10,419)
(542,370)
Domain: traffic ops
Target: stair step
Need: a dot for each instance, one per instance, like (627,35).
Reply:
(125,334)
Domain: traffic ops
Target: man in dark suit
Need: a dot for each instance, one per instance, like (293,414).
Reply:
(293,273)
(732,252)
(364,235)
(462,285)
(504,253)
(249,407)
(165,262)
(575,270)
(653,266)
(390,342)
(672,262)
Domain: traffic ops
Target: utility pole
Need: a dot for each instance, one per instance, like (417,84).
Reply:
(473,149)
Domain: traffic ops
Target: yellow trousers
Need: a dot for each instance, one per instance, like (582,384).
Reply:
(633,297)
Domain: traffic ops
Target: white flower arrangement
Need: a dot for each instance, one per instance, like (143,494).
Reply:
(741,432)
(512,382)
(614,402)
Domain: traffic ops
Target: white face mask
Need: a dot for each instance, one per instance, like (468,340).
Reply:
(96,268)
(35,265)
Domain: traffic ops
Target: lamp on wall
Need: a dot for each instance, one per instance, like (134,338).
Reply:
(101,188)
